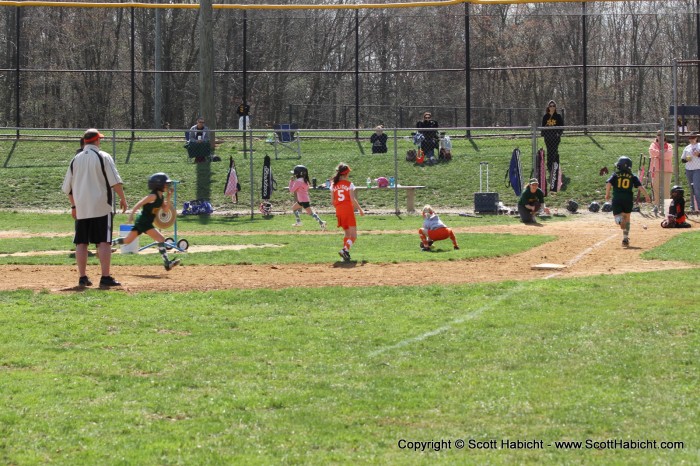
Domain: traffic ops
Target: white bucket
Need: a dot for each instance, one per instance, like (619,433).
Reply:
(132,248)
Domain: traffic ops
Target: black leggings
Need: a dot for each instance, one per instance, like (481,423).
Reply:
(552,143)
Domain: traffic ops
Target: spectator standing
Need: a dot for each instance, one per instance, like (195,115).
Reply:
(691,160)
(243,112)
(89,183)
(431,140)
(655,166)
(682,125)
(551,134)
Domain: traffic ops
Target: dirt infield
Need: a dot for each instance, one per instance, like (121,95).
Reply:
(585,245)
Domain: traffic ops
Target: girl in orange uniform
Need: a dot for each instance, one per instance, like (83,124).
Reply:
(345,203)
(434,230)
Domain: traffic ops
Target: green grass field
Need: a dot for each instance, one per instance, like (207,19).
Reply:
(33,170)
(343,375)
(350,375)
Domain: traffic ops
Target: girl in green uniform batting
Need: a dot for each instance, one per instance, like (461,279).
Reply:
(622,184)
(157,183)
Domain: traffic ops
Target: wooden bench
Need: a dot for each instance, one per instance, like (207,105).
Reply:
(410,194)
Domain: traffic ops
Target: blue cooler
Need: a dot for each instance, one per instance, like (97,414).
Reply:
(132,248)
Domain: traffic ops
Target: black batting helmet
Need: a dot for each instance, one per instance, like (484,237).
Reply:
(572,206)
(677,191)
(594,207)
(300,171)
(158,181)
(624,164)
(607,207)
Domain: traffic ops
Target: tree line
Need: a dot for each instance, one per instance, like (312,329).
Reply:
(83,67)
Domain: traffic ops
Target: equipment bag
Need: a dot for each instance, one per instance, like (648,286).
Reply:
(514,177)
(232,186)
(541,170)
(268,181)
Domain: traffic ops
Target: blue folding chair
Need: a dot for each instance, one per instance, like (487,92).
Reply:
(286,138)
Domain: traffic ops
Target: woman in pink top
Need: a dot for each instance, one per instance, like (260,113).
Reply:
(299,186)
(655,167)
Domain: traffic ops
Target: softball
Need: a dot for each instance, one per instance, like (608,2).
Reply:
(644,226)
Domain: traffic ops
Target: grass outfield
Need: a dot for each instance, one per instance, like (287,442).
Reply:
(341,376)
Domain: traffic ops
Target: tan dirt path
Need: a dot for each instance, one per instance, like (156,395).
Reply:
(586,244)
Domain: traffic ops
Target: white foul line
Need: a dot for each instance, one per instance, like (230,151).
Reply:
(478,312)
(582,254)
(444,328)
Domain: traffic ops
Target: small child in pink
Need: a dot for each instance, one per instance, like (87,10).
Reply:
(299,186)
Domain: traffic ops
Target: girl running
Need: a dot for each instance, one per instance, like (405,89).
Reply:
(622,184)
(299,186)
(345,203)
(158,183)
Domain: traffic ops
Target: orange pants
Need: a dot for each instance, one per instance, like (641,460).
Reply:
(437,235)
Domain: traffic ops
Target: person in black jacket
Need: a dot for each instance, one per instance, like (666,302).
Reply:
(431,140)
(378,140)
(552,136)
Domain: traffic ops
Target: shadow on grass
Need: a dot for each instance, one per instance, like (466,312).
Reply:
(10,154)
(597,144)
(128,153)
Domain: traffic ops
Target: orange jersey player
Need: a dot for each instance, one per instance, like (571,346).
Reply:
(345,203)
(434,230)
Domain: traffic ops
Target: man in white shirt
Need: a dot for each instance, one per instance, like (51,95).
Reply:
(89,183)
(691,159)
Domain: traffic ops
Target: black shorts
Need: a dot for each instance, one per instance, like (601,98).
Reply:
(142,224)
(620,206)
(93,230)
(305,205)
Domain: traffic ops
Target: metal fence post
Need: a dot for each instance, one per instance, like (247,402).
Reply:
(252,183)
(396,172)
(534,148)
(662,168)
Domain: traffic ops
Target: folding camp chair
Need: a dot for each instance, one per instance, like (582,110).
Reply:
(286,138)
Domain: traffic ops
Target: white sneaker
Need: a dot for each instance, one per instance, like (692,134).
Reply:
(297,224)
(323,226)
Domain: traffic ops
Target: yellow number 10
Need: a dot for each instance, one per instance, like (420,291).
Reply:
(623,183)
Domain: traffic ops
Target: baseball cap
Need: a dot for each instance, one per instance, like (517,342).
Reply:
(92,135)
(534,181)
